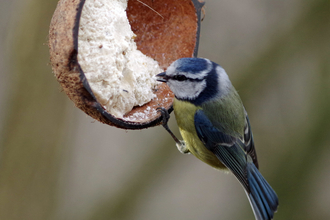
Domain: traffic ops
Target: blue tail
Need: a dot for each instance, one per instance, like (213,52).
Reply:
(262,197)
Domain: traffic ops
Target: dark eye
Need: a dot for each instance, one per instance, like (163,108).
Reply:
(180,77)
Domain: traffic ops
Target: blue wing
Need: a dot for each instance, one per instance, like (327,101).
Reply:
(229,150)
(241,159)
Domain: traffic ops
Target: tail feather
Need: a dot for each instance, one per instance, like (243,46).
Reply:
(262,197)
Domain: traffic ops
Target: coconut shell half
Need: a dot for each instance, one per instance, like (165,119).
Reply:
(165,30)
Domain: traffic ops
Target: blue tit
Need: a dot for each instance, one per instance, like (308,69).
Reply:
(215,127)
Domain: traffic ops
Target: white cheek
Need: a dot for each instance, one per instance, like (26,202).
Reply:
(186,89)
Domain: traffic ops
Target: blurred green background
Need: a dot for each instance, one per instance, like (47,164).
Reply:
(57,163)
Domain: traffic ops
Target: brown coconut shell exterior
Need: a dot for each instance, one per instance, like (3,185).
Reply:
(165,38)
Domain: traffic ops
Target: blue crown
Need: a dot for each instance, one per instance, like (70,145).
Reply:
(192,65)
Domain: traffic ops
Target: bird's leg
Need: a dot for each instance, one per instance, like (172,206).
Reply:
(180,144)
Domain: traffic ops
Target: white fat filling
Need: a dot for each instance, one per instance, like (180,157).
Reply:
(120,75)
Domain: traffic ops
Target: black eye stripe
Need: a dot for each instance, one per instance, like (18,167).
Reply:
(197,80)
(179,77)
(184,78)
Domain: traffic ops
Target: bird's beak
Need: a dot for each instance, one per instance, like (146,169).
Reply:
(161,77)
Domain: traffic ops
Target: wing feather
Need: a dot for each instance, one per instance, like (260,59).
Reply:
(239,156)
(248,141)
(229,150)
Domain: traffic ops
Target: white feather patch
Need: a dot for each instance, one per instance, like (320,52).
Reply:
(186,89)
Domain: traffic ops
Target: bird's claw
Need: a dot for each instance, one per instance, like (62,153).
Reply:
(165,115)
(182,147)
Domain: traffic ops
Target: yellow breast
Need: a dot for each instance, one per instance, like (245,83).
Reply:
(184,114)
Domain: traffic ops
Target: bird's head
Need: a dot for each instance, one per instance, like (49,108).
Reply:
(196,80)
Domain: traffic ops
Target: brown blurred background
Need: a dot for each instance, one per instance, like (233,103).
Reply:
(57,163)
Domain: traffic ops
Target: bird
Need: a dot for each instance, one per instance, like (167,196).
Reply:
(215,127)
